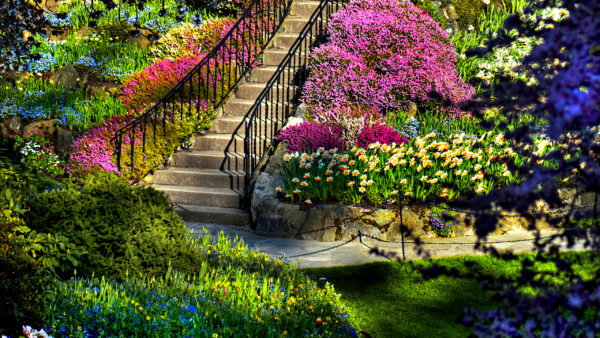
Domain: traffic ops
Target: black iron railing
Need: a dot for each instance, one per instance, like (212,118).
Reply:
(203,88)
(281,95)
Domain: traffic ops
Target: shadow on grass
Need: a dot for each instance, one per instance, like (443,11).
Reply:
(391,300)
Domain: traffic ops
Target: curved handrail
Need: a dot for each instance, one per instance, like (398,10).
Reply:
(205,85)
(274,104)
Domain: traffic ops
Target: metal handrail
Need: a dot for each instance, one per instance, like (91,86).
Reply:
(281,95)
(204,86)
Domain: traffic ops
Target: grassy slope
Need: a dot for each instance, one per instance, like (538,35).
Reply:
(388,299)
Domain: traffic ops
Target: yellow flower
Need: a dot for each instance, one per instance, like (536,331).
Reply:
(148,318)
(361,189)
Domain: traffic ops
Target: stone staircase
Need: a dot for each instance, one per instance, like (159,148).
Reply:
(207,181)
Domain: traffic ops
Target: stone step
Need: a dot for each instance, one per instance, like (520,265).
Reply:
(274,56)
(214,215)
(211,178)
(236,124)
(251,91)
(209,160)
(263,74)
(219,142)
(202,196)
(287,40)
(240,108)
(294,24)
(303,8)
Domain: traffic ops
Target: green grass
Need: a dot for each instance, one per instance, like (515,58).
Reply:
(390,299)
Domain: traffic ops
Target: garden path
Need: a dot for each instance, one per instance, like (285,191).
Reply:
(310,253)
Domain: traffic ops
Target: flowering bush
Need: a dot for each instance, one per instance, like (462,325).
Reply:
(310,136)
(154,82)
(441,222)
(430,166)
(189,39)
(38,154)
(381,133)
(384,54)
(94,151)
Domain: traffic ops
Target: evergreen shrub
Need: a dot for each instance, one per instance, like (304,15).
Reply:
(124,229)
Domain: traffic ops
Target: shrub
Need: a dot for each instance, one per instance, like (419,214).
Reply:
(123,229)
(381,133)
(188,39)
(236,292)
(154,82)
(94,152)
(310,136)
(384,54)
(23,279)
(469,12)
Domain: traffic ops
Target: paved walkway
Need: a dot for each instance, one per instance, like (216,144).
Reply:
(310,253)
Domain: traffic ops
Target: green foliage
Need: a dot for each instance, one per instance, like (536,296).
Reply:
(400,303)
(23,278)
(234,292)
(441,221)
(471,12)
(122,228)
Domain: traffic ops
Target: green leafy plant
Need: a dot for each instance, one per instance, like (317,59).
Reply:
(122,228)
(442,221)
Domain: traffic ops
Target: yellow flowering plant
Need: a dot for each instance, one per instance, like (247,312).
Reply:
(443,166)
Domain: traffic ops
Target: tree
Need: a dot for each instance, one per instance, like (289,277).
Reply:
(567,96)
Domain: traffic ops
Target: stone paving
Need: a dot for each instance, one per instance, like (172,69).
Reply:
(307,253)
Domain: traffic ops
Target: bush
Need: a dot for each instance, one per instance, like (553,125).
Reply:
(188,39)
(385,54)
(310,136)
(94,152)
(381,133)
(123,229)
(235,292)
(469,12)
(23,279)
(155,81)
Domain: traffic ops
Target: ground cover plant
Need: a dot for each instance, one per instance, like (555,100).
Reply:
(388,299)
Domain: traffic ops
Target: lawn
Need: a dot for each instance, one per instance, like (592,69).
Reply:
(390,299)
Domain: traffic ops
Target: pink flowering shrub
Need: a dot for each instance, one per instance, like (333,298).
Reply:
(310,136)
(381,133)
(154,82)
(385,54)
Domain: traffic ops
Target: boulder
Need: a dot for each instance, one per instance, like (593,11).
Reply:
(47,127)
(11,126)
(264,192)
(141,39)
(64,140)
(276,159)
(67,77)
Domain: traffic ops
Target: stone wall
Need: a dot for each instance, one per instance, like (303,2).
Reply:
(330,222)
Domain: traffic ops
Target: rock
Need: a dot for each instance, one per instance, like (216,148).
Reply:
(380,218)
(64,140)
(451,12)
(276,159)
(47,127)
(11,126)
(301,111)
(57,34)
(264,190)
(141,39)
(67,77)
(83,32)
(292,121)
(53,5)
(101,89)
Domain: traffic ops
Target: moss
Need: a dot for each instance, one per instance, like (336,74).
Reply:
(469,11)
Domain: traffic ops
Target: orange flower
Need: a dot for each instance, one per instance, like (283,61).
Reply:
(304,184)
(351,183)
(329,179)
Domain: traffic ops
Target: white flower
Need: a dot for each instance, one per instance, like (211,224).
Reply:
(470,28)
(449,30)
(487,2)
